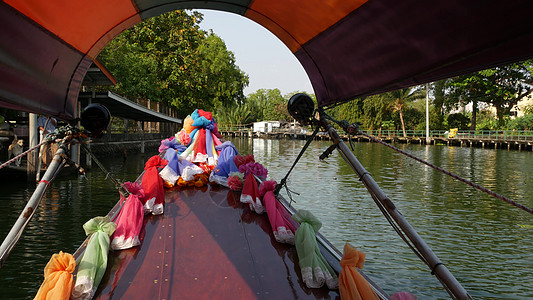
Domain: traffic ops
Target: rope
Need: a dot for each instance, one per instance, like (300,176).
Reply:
(121,188)
(21,155)
(283,182)
(474,185)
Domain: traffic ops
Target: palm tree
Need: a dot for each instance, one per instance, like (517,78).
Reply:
(403,96)
(235,115)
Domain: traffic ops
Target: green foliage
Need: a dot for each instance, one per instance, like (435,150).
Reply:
(169,59)
(270,105)
(487,121)
(401,97)
(528,110)
(458,120)
(522,123)
(263,105)
(501,87)
(376,110)
(223,81)
(388,125)
(384,111)
(351,111)
(412,118)
(234,115)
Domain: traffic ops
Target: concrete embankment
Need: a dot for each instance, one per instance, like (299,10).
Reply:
(121,144)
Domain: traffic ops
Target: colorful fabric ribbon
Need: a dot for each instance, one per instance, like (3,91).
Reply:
(153,187)
(282,227)
(315,270)
(94,261)
(250,194)
(130,219)
(171,172)
(225,165)
(352,285)
(58,279)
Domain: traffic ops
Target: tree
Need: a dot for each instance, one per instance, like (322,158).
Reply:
(439,99)
(372,111)
(400,99)
(501,87)
(458,120)
(350,111)
(170,59)
(506,86)
(269,104)
(376,110)
(235,114)
(223,81)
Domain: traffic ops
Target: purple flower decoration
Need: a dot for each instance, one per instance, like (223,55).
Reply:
(255,168)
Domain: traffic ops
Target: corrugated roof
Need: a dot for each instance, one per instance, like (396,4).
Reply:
(122,107)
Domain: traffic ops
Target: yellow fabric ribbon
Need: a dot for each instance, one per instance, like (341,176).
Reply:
(352,285)
(58,280)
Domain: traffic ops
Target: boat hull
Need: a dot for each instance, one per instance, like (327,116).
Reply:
(206,245)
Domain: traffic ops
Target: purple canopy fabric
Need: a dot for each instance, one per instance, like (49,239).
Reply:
(348,49)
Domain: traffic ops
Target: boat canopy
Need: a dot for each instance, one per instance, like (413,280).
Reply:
(348,48)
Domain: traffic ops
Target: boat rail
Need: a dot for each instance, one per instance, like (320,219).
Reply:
(506,135)
(501,135)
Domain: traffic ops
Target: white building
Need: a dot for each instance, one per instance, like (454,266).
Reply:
(266,126)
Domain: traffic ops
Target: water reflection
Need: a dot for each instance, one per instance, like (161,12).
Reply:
(69,202)
(477,236)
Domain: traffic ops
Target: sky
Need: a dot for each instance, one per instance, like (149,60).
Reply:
(267,61)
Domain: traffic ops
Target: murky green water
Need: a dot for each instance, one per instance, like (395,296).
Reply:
(485,242)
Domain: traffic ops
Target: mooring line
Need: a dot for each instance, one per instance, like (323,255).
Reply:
(21,155)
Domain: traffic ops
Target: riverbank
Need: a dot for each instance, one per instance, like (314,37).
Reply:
(509,140)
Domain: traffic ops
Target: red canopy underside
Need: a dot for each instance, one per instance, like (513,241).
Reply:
(348,48)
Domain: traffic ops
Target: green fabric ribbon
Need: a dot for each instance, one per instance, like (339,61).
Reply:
(315,270)
(94,261)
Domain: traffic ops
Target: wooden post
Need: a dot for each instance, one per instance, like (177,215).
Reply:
(33,140)
(88,158)
(158,127)
(142,138)
(149,123)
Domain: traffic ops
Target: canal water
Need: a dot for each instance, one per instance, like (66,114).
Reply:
(486,243)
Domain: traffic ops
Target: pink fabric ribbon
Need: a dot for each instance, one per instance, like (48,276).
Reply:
(282,227)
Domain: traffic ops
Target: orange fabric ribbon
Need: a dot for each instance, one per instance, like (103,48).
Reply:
(200,180)
(352,285)
(187,124)
(58,280)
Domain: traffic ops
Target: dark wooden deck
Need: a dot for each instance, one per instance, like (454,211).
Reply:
(207,245)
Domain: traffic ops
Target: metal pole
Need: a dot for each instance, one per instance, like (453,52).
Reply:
(25,216)
(427,115)
(432,260)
